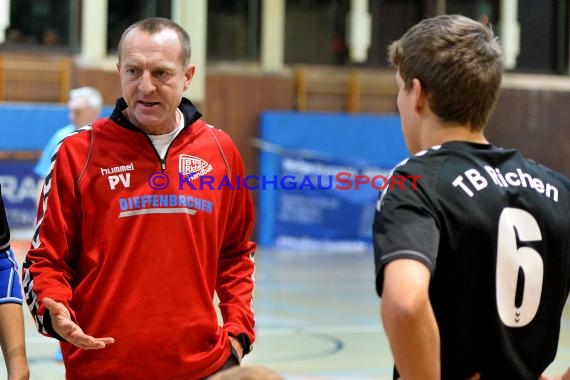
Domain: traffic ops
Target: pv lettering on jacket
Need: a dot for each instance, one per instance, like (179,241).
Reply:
(118,174)
(472,181)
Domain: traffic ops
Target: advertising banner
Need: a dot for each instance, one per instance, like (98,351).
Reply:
(19,192)
(320,175)
(326,205)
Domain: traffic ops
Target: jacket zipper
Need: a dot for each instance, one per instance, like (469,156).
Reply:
(160,159)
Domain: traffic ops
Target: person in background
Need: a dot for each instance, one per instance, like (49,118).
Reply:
(130,249)
(472,259)
(12,338)
(84,105)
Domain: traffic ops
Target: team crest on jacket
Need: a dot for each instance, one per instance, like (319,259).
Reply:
(193,166)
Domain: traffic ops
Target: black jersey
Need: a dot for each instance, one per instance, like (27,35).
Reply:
(4,230)
(494,229)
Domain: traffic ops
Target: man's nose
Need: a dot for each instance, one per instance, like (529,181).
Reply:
(146,84)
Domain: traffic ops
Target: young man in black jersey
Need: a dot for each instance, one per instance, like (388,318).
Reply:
(473,265)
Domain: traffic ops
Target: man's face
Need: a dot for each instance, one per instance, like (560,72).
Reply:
(153,79)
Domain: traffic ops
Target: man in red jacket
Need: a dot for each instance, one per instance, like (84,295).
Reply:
(130,246)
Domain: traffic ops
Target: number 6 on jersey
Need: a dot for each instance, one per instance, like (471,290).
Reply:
(518,311)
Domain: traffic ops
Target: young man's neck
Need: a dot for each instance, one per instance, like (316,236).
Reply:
(440,133)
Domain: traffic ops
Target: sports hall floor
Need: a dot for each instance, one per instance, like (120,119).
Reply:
(317,319)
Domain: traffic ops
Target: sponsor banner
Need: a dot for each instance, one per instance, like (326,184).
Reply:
(325,214)
(19,192)
(337,139)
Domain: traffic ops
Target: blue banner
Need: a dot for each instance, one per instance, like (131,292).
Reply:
(325,204)
(30,126)
(319,144)
(19,192)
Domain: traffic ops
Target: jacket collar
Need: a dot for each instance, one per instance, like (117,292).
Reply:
(190,113)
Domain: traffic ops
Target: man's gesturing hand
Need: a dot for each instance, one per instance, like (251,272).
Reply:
(63,325)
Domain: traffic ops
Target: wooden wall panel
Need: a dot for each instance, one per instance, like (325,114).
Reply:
(105,81)
(535,121)
(234,103)
(26,77)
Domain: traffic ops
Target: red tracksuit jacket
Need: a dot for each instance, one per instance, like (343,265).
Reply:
(135,247)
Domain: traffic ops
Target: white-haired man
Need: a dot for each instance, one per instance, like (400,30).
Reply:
(85,104)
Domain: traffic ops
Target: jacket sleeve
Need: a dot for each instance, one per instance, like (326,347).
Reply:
(236,266)
(47,270)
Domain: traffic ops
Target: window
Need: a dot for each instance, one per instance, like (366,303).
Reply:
(315,31)
(486,11)
(47,24)
(233,30)
(390,20)
(544,37)
(123,13)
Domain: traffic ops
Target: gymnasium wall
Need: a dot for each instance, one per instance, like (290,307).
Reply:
(532,113)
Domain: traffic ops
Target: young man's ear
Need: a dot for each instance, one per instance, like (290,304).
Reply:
(420,98)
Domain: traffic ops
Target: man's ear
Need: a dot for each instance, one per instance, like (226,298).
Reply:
(189,74)
(420,97)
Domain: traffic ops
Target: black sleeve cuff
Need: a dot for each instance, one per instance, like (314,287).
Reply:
(245,343)
(49,329)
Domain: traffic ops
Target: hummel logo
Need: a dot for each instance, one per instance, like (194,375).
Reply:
(118,174)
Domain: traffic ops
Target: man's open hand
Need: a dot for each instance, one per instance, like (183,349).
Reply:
(62,324)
